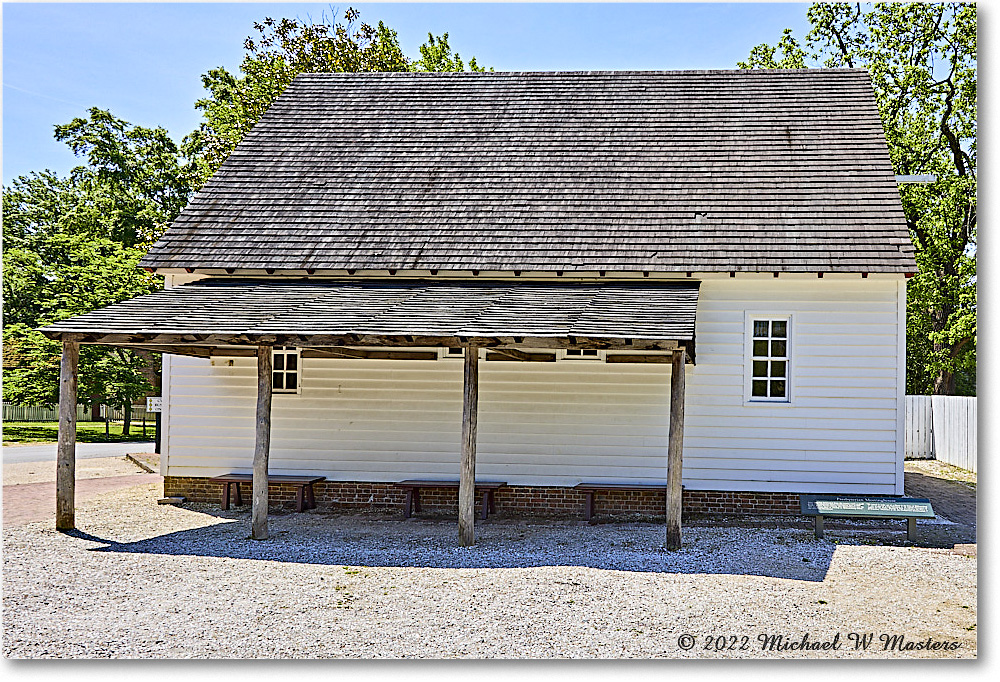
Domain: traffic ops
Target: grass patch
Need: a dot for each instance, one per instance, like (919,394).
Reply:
(86,432)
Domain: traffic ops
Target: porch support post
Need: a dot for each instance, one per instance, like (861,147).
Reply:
(262,444)
(467,477)
(66,449)
(675,450)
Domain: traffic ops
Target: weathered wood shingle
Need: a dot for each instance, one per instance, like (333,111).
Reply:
(256,308)
(572,171)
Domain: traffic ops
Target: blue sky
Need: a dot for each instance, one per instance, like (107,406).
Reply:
(144,61)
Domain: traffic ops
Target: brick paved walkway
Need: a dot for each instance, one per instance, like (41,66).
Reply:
(37,501)
(951,500)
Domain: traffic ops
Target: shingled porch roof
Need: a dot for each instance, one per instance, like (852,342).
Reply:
(218,312)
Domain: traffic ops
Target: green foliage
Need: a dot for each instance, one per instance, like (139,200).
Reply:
(284,49)
(763,56)
(436,55)
(922,63)
(71,245)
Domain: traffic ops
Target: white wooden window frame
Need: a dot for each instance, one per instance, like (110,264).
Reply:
(598,356)
(748,337)
(448,354)
(285,352)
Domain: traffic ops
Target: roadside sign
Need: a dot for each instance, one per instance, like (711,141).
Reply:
(154,404)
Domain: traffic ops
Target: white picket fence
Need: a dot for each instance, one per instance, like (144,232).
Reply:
(39,413)
(942,427)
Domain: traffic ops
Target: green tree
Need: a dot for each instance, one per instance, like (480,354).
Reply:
(71,245)
(436,55)
(922,61)
(284,49)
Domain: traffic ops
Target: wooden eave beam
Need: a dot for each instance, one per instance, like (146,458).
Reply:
(189,344)
(638,359)
(514,355)
(340,353)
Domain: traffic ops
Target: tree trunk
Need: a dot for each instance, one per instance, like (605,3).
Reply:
(126,418)
(95,408)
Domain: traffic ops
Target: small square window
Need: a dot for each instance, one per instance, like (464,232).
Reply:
(285,369)
(581,354)
(769,350)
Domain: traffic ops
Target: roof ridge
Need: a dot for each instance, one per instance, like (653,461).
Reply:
(594,72)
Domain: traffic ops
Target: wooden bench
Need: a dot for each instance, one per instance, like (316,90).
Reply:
(305,498)
(849,506)
(589,489)
(413,487)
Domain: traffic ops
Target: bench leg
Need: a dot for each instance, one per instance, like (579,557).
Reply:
(310,497)
(416,500)
(239,497)
(588,506)
(225,497)
(818,527)
(300,498)
(408,504)
(911,529)
(486,505)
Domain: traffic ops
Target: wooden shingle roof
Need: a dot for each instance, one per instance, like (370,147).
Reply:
(242,311)
(567,171)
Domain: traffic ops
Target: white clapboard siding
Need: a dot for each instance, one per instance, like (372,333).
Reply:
(572,421)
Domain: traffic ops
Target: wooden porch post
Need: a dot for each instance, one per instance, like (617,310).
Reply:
(467,478)
(675,450)
(66,449)
(262,444)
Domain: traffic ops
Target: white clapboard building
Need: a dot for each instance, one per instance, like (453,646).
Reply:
(581,235)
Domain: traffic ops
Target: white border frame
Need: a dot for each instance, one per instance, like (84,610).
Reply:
(748,320)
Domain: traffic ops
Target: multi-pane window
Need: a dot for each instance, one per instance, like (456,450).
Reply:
(582,354)
(285,370)
(769,355)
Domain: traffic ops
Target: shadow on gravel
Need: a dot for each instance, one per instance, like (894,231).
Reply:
(311,539)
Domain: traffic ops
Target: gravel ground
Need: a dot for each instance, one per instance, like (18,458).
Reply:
(144,580)
(20,473)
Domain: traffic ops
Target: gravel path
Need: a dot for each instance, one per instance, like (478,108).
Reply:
(47,451)
(145,580)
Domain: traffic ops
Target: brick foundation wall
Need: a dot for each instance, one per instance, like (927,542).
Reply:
(510,501)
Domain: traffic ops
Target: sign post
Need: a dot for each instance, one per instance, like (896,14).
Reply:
(154,404)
